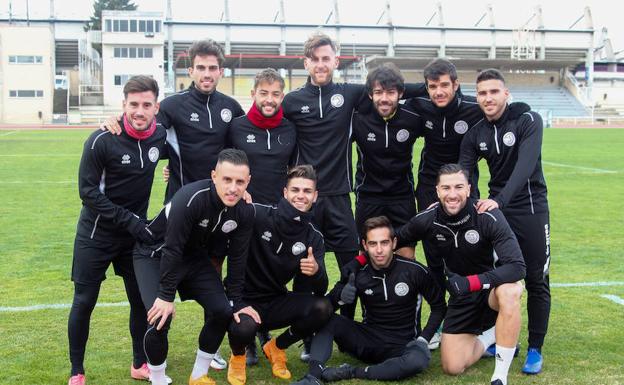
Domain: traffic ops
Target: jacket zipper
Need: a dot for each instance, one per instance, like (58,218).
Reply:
(383,281)
(218,220)
(452,232)
(386,134)
(95,225)
(444,127)
(140,152)
(268,139)
(320,103)
(208,108)
(496,139)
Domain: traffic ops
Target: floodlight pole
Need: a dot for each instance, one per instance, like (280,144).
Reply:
(170,63)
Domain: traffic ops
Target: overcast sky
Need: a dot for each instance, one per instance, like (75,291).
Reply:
(457,13)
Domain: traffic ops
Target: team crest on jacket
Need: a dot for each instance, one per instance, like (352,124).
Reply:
(229,226)
(298,248)
(401,289)
(226,115)
(472,236)
(402,135)
(337,100)
(461,127)
(153,154)
(509,139)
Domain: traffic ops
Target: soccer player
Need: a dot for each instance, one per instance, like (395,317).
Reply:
(391,289)
(385,136)
(510,140)
(483,264)
(200,214)
(115,181)
(284,246)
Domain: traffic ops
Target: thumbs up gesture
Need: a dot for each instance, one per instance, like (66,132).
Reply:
(308,264)
(347,295)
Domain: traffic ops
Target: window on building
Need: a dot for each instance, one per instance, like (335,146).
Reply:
(132,52)
(26,93)
(124,51)
(149,52)
(120,80)
(115,25)
(117,52)
(25,59)
(157,25)
(108,25)
(133,25)
(150,26)
(123,25)
(142,25)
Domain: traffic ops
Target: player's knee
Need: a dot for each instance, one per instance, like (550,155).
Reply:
(509,295)
(219,312)
(322,311)
(245,330)
(452,366)
(414,361)
(85,298)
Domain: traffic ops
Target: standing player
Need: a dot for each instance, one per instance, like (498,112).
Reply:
(510,140)
(391,290)
(483,264)
(200,214)
(115,182)
(284,246)
(385,136)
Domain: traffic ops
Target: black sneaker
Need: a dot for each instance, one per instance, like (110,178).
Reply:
(342,372)
(252,354)
(308,379)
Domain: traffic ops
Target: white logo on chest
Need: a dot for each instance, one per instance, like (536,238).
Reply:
(194,117)
(440,237)
(368,291)
(509,139)
(472,236)
(267,236)
(251,138)
(229,226)
(337,100)
(371,137)
(204,223)
(402,135)
(226,115)
(483,146)
(401,289)
(298,248)
(153,154)
(125,159)
(429,124)
(305,109)
(460,127)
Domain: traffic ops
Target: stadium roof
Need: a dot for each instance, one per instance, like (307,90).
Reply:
(256,61)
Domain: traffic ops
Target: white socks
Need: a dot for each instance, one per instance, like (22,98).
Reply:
(202,364)
(157,374)
(503,358)
(488,337)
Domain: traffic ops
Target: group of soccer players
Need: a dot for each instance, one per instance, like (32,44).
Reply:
(269,191)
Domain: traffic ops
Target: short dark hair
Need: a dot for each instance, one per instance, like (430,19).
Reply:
(302,171)
(452,168)
(388,76)
(318,40)
(231,155)
(207,47)
(141,83)
(439,67)
(490,74)
(377,223)
(269,75)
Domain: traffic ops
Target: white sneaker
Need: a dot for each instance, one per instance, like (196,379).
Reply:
(434,343)
(167,378)
(218,363)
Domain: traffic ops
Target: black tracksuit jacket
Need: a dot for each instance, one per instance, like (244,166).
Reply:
(115,182)
(392,296)
(512,147)
(270,153)
(189,225)
(280,239)
(443,130)
(467,243)
(197,126)
(385,147)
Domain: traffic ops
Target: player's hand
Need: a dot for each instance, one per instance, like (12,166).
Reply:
(347,295)
(166,173)
(141,233)
(247,197)
(457,285)
(111,125)
(160,309)
(308,264)
(484,205)
(431,205)
(250,311)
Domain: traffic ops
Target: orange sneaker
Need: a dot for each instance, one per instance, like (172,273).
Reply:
(237,370)
(142,373)
(203,380)
(78,379)
(277,358)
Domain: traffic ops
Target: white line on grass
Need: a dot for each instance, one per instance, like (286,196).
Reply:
(8,133)
(40,155)
(613,298)
(15,309)
(39,182)
(596,170)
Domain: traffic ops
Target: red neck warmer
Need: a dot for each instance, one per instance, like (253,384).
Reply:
(136,134)
(257,119)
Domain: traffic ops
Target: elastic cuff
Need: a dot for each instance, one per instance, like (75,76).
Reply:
(475,283)
(361,258)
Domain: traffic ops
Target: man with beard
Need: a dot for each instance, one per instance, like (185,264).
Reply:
(115,183)
(510,140)
(483,265)
(284,247)
(385,136)
(391,290)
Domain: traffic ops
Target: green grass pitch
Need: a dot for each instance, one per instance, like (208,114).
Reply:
(39,207)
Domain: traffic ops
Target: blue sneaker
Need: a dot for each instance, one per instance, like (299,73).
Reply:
(533,363)
(490,352)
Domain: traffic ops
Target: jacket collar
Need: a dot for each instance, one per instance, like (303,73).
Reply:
(315,89)
(197,94)
(289,220)
(464,218)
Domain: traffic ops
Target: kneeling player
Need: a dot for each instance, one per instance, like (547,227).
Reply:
(483,264)
(390,288)
(284,246)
